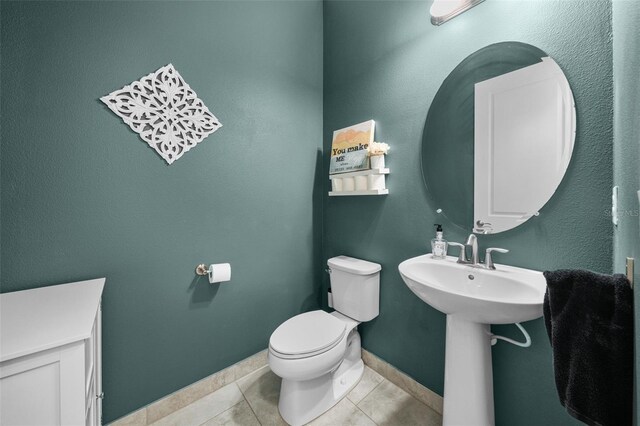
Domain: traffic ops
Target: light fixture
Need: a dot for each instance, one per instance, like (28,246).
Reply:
(444,10)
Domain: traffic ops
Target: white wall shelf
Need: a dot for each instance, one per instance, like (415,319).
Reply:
(367,192)
(362,182)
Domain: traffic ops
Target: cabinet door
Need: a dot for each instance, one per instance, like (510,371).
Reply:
(91,413)
(45,388)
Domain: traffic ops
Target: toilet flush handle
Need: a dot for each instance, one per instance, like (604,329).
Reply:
(328,270)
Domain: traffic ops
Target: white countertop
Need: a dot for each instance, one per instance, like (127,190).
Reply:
(43,318)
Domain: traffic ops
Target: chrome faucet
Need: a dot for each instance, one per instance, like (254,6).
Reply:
(472,241)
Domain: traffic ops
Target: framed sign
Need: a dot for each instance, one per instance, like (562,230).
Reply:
(349,148)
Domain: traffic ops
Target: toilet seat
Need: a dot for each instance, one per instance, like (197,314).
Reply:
(306,335)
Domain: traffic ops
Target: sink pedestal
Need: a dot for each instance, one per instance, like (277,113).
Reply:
(468,375)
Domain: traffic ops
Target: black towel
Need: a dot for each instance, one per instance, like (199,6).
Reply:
(589,319)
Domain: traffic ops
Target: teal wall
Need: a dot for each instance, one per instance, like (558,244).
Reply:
(83,196)
(383,60)
(626,144)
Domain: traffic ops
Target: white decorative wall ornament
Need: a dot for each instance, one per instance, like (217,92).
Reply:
(164,111)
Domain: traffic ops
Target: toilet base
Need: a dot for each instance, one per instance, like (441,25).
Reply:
(302,401)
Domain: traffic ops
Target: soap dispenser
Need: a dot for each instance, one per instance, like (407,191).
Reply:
(438,244)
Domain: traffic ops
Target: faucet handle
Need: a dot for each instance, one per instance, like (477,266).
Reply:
(488,260)
(462,257)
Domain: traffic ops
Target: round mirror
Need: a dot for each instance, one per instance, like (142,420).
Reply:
(498,137)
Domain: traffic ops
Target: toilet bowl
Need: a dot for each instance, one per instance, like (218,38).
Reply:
(318,354)
(315,375)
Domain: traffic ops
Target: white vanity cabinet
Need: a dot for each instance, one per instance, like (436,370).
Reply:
(50,355)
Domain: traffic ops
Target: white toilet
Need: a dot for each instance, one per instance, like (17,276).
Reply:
(318,354)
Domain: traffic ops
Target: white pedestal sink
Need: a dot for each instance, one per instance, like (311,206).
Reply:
(472,298)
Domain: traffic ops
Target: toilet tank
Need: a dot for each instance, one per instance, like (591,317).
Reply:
(355,286)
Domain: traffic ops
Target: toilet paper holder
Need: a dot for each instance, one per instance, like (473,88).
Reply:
(202,269)
(217,273)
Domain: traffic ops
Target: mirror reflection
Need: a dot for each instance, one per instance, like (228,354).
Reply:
(498,137)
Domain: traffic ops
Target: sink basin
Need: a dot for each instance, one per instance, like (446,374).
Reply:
(502,296)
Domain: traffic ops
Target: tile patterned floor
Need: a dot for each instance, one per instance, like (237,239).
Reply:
(253,400)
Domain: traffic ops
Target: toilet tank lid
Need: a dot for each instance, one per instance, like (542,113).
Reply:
(353,265)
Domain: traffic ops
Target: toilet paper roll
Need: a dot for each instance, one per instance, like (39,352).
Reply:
(219,272)
(336,184)
(348,184)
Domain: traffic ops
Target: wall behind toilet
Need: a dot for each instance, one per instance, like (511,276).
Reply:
(84,197)
(385,61)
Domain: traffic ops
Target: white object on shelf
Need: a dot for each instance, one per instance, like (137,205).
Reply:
(348,184)
(376,182)
(377,161)
(362,182)
(50,355)
(367,192)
